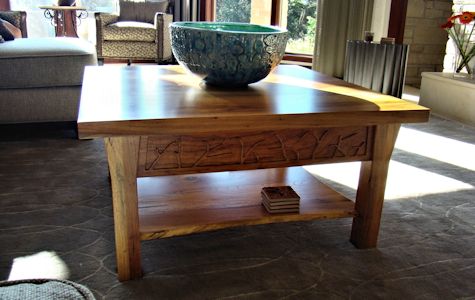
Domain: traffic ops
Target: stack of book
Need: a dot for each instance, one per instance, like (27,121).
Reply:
(280,199)
(388,40)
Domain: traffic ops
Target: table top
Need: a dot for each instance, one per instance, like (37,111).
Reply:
(139,100)
(56,7)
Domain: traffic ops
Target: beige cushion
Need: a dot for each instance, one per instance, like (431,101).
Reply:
(130,31)
(141,11)
(136,50)
(44,62)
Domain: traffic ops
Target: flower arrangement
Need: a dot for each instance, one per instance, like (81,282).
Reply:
(460,30)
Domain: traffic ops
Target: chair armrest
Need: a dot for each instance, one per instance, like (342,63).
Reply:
(104,19)
(162,25)
(24,31)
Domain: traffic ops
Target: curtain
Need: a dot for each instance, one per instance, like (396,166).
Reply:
(187,10)
(337,22)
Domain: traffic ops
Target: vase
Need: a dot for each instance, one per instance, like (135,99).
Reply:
(461,69)
(66,2)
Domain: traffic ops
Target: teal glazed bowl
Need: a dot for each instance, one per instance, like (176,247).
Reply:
(228,54)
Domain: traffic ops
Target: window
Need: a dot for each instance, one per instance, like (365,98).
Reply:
(108,6)
(300,21)
(298,16)
(233,11)
(39,26)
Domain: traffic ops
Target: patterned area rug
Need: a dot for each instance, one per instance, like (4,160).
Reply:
(55,196)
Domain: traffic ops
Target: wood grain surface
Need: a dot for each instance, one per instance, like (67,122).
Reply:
(122,155)
(147,100)
(371,187)
(227,151)
(178,205)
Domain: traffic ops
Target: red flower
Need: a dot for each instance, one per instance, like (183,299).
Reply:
(466,17)
(447,25)
(460,32)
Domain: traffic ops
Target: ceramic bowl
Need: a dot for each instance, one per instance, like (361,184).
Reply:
(228,54)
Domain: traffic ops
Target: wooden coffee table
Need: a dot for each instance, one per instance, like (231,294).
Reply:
(169,138)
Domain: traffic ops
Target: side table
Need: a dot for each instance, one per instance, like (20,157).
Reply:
(64,18)
(169,138)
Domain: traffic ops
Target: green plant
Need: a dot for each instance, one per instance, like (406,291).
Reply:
(233,11)
(299,17)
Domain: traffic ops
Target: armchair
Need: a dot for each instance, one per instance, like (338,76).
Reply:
(17,19)
(139,32)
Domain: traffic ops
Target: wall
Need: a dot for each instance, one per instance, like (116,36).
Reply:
(36,23)
(380,19)
(4,5)
(427,41)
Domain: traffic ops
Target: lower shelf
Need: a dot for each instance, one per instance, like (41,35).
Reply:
(184,204)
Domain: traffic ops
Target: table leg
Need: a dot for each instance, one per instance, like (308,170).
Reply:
(122,154)
(59,23)
(371,187)
(70,24)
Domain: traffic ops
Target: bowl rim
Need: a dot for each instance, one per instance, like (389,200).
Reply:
(278,30)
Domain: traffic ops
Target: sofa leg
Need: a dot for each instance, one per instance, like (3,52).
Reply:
(129,62)
(100,61)
(76,132)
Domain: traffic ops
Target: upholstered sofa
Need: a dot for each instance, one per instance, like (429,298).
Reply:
(44,289)
(41,78)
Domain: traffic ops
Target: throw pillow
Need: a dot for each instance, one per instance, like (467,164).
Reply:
(141,11)
(1,39)
(14,30)
(5,33)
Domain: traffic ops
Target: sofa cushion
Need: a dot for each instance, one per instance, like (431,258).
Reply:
(6,34)
(130,31)
(44,62)
(129,50)
(39,104)
(16,32)
(13,17)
